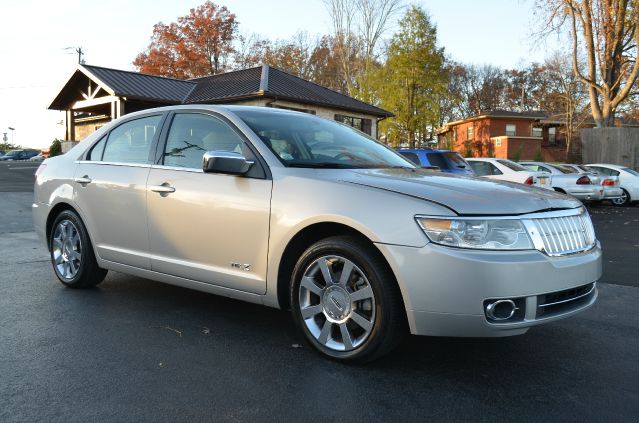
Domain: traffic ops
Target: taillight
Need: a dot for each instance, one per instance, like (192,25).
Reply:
(39,171)
(529,181)
(584,180)
(608,183)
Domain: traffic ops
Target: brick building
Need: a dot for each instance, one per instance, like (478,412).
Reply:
(506,134)
(93,96)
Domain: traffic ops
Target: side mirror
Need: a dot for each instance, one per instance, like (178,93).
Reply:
(227,162)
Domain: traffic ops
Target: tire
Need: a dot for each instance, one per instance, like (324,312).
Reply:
(355,319)
(622,201)
(72,254)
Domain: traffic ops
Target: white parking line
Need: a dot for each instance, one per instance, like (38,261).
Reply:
(23,167)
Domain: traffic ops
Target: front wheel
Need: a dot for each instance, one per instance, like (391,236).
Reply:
(622,201)
(345,300)
(72,254)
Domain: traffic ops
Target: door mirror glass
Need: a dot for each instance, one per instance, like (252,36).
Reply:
(227,162)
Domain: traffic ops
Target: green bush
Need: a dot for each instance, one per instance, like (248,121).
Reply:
(56,148)
(517,155)
(538,156)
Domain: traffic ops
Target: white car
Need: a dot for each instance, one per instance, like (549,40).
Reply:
(507,170)
(583,186)
(628,181)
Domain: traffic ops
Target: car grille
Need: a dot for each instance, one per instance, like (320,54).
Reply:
(562,235)
(556,303)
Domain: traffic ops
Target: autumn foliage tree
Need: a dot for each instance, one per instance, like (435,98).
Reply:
(198,44)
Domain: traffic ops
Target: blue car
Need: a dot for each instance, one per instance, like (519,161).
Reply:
(444,160)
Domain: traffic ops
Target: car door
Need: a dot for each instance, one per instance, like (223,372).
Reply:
(208,227)
(110,186)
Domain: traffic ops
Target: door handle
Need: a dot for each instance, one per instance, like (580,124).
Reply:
(164,189)
(83,180)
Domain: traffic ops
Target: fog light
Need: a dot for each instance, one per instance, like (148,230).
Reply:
(501,310)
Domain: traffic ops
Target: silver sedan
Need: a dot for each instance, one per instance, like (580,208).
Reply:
(297,212)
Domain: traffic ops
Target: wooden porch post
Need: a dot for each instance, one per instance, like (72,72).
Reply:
(70,126)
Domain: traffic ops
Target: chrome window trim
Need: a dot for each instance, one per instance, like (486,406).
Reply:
(183,169)
(127,164)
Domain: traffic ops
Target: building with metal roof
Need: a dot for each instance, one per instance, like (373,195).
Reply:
(93,96)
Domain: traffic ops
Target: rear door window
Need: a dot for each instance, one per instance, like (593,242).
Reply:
(131,142)
(413,157)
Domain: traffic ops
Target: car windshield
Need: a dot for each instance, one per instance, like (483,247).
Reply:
(564,169)
(630,171)
(512,165)
(301,140)
(13,153)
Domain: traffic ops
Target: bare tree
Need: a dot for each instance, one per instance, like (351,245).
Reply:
(482,89)
(566,97)
(358,26)
(342,13)
(606,33)
(374,17)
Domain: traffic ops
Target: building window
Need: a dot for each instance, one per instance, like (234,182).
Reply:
(498,142)
(470,133)
(362,124)
(511,130)
(537,132)
(551,134)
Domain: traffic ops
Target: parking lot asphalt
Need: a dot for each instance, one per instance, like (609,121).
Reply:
(135,350)
(17,176)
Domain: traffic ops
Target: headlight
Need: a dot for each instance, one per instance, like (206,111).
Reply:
(485,234)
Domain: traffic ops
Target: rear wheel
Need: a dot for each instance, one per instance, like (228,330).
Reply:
(72,254)
(345,300)
(623,200)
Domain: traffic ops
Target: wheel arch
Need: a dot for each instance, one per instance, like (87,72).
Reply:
(305,238)
(54,212)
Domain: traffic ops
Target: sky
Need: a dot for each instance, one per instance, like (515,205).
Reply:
(35,34)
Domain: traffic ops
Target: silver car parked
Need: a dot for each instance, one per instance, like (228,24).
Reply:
(298,212)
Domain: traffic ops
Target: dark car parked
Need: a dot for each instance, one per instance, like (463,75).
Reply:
(444,160)
(19,155)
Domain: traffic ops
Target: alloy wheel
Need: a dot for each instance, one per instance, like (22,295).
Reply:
(337,303)
(620,201)
(66,249)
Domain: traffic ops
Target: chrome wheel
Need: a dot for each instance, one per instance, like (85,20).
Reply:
(620,201)
(66,249)
(337,303)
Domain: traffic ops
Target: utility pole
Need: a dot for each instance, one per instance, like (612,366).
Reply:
(80,54)
(12,131)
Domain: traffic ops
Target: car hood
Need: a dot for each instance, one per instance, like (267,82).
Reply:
(464,195)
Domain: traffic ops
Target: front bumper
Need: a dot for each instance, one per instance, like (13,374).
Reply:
(445,289)
(39,212)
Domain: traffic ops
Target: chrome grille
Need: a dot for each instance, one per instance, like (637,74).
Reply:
(562,233)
